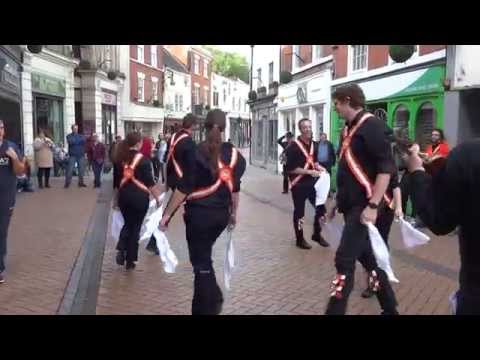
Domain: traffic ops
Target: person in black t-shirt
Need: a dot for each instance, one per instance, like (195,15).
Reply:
(134,188)
(283,159)
(364,171)
(303,171)
(211,187)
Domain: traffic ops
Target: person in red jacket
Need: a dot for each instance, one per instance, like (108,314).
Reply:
(435,154)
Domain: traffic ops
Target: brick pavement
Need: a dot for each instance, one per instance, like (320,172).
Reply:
(45,236)
(272,276)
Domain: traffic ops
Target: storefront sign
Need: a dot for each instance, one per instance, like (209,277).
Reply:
(48,85)
(109,99)
(302,94)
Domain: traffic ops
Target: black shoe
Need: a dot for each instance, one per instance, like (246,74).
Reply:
(40,186)
(82,185)
(130,265)
(320,240)
(284,192)
(66,186)
(120,258)
(367,293)
(390,312)
(47,186)
(153,250)
(304,245)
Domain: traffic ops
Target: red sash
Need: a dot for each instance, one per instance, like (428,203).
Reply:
(173,142)
(309,163)
(353,163)
(225,175)
(129,173)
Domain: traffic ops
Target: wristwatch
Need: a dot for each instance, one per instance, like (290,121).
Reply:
(372,205)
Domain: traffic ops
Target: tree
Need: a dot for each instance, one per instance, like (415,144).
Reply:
(229,64)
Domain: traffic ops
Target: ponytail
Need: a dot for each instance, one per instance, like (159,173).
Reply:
(215,124)
(121,154)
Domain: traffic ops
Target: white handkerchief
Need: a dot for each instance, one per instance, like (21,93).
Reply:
(411,236)
(229,262)
(322,187)
(381,252)
(117,224)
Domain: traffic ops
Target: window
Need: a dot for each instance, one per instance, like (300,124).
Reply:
(153,55)
(140,52)
(224,95)
(140,87)
(177,102)
(318,52)
(270,73)
(229,89)
(196,94)
(215,98)
(180,102)
(259,77)
(233,103)
(426,120)
(358,57)
(196,64)
(206,93)
(239,104)
(296,55)
(205,68)
(155,88)
(400,120)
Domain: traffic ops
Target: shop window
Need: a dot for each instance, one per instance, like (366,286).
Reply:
(49,117)
(426,119)
(401,118)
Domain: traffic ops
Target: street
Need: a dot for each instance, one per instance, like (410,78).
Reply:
(271,277)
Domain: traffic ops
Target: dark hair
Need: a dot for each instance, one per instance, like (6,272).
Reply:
(352,93)
(289,135)
(440,131)
(122,150)
(215,124)
(302,121)
(188,121)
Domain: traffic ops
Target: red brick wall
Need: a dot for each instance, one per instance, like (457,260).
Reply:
(149,73)
(305,52)
(340,58)
(200,79)
(286,60)
(377,56)
(427,49)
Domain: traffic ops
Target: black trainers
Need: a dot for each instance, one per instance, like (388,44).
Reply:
(304,245)
(389,313)
(130,265)
(82,185)
(2,279)
(320,240)
(120,258)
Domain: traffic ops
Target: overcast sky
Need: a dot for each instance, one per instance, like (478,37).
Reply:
(260,51)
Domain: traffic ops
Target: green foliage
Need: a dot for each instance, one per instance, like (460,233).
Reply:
(229,64)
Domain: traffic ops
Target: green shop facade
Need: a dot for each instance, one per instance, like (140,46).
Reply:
(412,101)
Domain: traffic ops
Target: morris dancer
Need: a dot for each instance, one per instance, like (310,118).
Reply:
(363,176)
(211,205)
(303,173)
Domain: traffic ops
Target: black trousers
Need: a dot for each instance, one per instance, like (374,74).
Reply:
(133,208)
(41,173)
(203,227)
(285,179)
(5,216)
(156,167)
(405,188)
(300,194)
(467,304)
(355,245)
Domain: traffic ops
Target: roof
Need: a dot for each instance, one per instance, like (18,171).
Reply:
(173,63)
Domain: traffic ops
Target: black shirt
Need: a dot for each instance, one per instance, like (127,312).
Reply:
(451,198)
(143,173)
(296,159)
(8,178)
(203,177)
(370,145)
(183,155)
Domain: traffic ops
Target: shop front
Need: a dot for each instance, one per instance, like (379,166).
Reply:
(239,131)
(48,95)
(109,116)
(411,101)
(10,91)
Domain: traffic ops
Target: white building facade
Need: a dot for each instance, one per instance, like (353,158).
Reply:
(231,96)
(48,94)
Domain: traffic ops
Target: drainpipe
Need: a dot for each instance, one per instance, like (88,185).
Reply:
(251,112)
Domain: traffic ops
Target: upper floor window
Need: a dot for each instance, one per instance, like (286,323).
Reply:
(196,64)
(140,53)
(317,52)
(358,55)
(270,73)
(259,77)
(205,68)
(155,88)
(153,56)
(141,87)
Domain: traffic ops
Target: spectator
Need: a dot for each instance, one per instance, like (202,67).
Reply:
(283,158)
(11,165)
(97,154)
(111,152)
(161,148)
(60,159)
(24,183)
(436,153)
(76,152)
(43,158)
(326,153)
